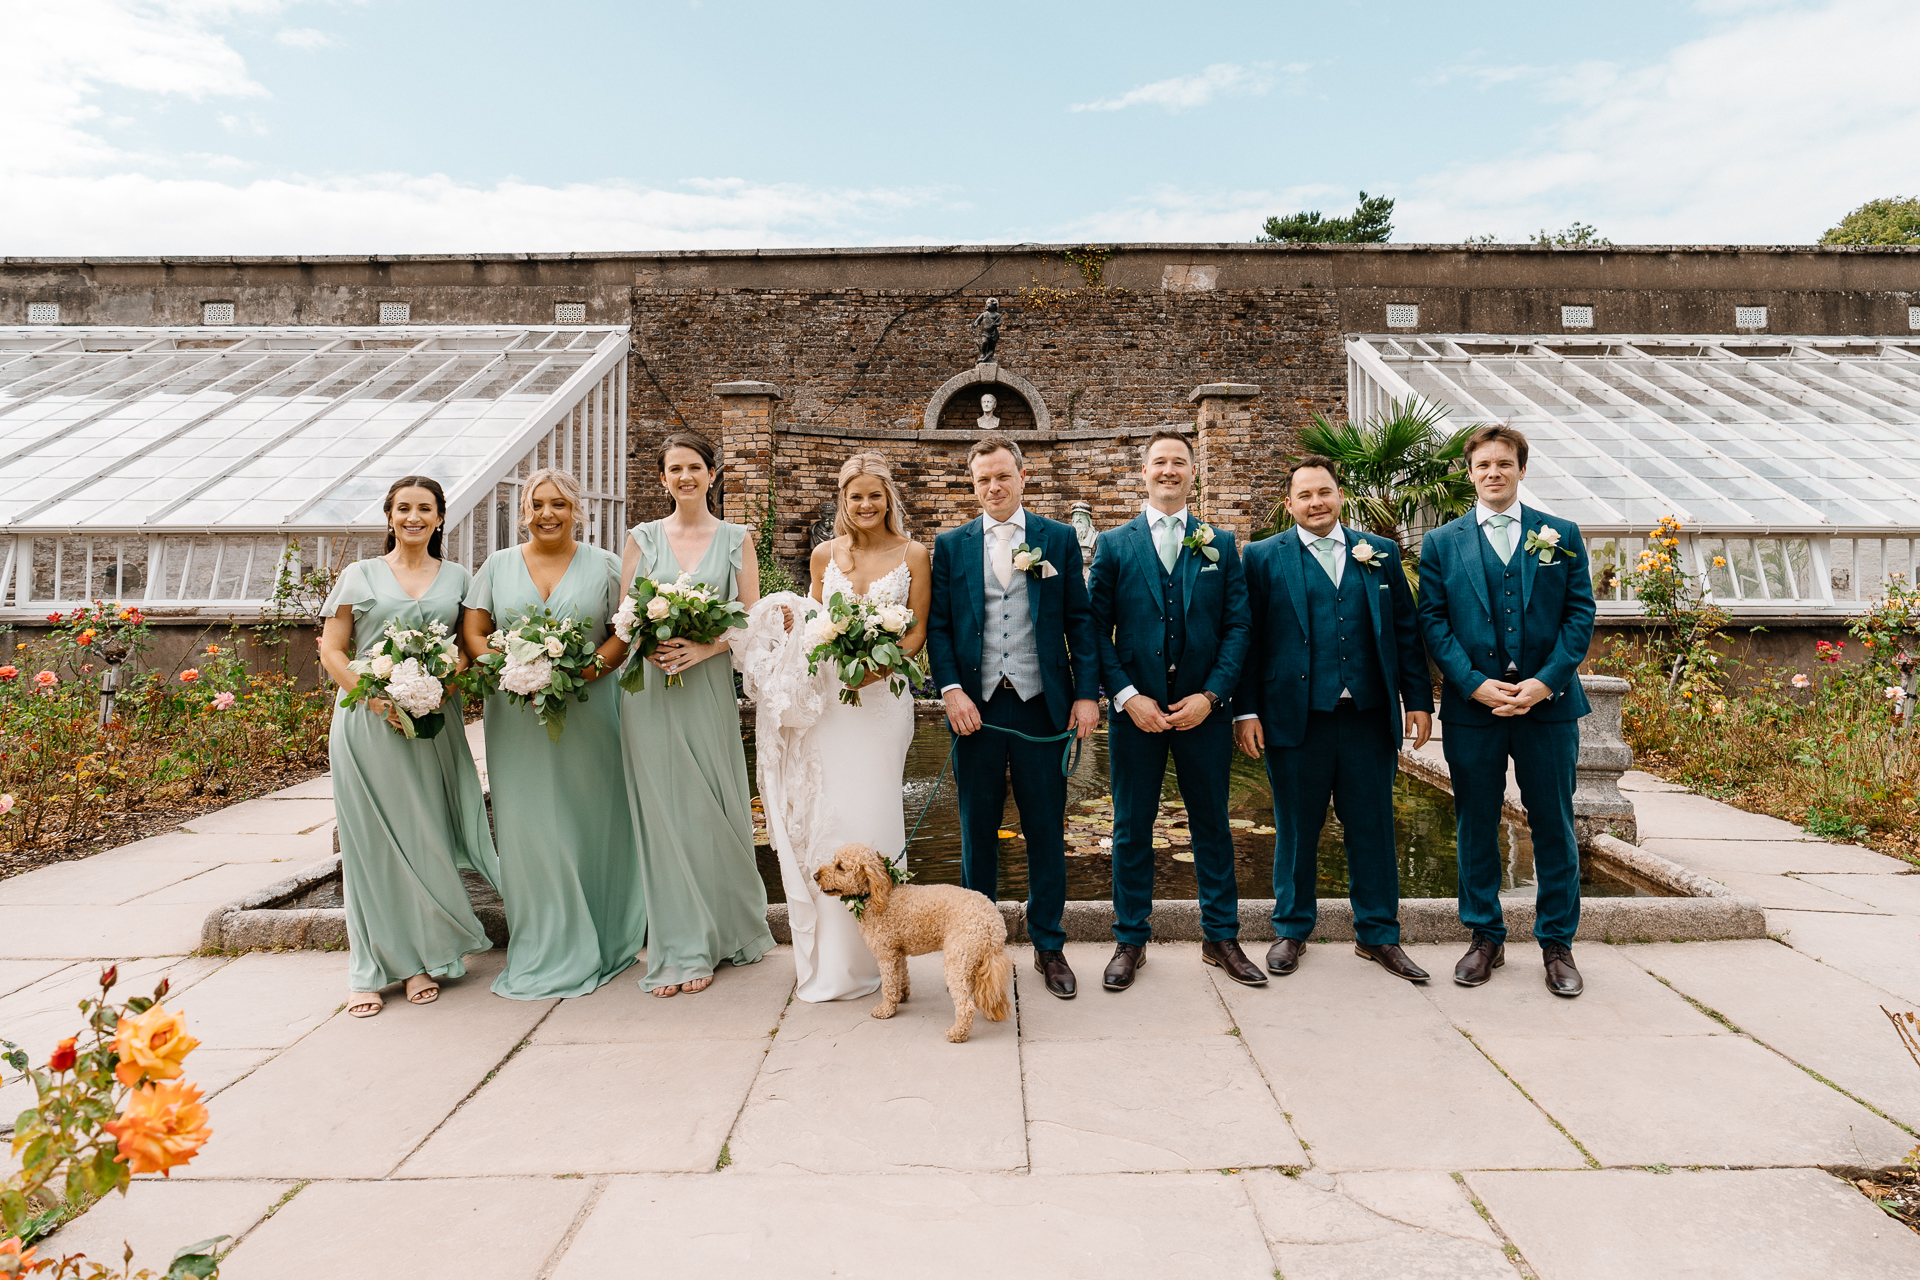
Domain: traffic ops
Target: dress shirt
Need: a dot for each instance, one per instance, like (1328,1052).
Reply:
(1154,516)
(987,526)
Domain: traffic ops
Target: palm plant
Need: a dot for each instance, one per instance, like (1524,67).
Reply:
(1401,468)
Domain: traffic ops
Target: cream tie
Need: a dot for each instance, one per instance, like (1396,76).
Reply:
(1502,540)
(1003,554)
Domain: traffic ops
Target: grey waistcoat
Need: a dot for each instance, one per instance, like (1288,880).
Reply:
(1007,644)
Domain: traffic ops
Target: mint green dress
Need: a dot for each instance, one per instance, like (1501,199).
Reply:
(410,812)
(569,875)
(688,796)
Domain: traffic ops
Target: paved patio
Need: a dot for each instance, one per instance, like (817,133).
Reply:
(1676,1120)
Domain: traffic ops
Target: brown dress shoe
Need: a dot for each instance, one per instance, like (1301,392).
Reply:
(1482,958)
(1283,957)
(1119,974)
(1390,957)
(1053,966)
(1562,978)
(1226,954)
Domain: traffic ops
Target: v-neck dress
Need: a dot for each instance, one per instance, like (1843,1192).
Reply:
(411,814)
(687,792)
(569,875)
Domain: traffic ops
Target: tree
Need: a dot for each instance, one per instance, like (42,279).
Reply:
(1400,467)
(1577,235)
(1891,220)
(1371,223)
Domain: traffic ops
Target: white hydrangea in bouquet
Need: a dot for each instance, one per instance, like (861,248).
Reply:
(680,610)
(541,661)
(862,639)
(412,668)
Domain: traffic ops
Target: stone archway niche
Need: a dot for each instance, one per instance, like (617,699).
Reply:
(1021,407)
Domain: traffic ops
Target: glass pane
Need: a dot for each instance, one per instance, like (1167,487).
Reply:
(1719,568)
(1773,564)
(1746,569)
(1800,564)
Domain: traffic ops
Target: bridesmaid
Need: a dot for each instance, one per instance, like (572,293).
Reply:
(686,768)
(410,812)
(568,872)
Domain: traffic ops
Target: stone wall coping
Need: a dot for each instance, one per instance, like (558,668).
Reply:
(1211,390)
(746,389)
(968,437)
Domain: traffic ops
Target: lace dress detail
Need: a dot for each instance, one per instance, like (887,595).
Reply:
(892,588)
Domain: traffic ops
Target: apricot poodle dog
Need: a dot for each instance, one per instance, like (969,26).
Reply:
(901,920)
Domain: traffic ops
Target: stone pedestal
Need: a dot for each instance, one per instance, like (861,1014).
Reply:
(1598,806)
(1224,431)
(746,447)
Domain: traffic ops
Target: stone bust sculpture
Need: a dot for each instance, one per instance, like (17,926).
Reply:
(988,422)
(987,323)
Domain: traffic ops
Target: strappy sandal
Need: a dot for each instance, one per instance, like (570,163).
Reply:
(696,985)
(364,1004)
(426,993)
(663,992)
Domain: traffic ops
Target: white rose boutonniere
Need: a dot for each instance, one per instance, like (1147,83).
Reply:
(1366,555)
(1545,543)
(1032,560)
(1201,542)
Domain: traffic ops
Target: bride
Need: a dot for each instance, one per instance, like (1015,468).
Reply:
(830,774)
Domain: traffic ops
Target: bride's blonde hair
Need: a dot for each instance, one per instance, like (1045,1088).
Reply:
(877,466)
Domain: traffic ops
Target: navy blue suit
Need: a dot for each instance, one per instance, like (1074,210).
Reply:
(1477,615)
(1170,635)
(1311,643)
(1063,632)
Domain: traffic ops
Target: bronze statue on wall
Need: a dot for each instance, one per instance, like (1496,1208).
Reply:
(987,325)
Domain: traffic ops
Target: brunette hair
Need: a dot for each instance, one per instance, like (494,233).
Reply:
(877,466)
(708,454)
(1166,433)
(1309,461)
(432,486)
(994,444)
(1488,433)
(564,481)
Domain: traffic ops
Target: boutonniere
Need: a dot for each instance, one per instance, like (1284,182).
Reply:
(857,902)
(1201,540)
(1545,543)
(1366,555)
(1032,560)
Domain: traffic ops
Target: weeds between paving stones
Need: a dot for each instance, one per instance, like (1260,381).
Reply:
(726,1157)
(1897,1191)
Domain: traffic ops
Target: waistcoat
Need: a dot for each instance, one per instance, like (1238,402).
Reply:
(1008,646)
(1503,599)
(1342,652)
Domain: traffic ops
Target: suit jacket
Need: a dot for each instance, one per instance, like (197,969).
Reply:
(1129,614)
(1456,617)
(1062,621)
(1273,682)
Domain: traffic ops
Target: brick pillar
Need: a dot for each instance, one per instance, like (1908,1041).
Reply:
(1225,454)
(746,446)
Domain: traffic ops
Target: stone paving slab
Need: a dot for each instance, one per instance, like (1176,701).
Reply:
(1171,996)
(1641,780)
(1374,1226)
(1771,857)
(1711,1225)
(844,1092)
(211,887)
(1691,1100)
(1882,951)
(1816,1015)
(1682,815)
(85,884)
(1797,893)
(920,1225)
(16,975)
(185,846)
(1621,998)
(99,933)
(320,788)
(743,1003)
(269,815)
(356,1096)
(265,1001)
(160,1218)
(469,1228)
(598,1108)
(1897,894)
(1144,1106)
(1373,1076)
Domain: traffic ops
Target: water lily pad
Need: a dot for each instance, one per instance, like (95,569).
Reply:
(1242,823)
(1263,831)
(1163,844)
(1183,857)
(1009,835)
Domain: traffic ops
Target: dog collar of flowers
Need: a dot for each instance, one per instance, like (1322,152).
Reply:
(1201,540)
(1366,555)
(857,902)
(1545,543)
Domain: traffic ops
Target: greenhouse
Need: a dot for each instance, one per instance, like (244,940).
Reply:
(1793,464)
(193,469)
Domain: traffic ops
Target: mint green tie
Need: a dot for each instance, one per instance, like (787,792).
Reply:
(1168,543)
(1323,552)
(1502,540)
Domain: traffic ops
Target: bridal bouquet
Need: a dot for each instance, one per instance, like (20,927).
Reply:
(862,639)
(538,661)
(411,668)
(681,610)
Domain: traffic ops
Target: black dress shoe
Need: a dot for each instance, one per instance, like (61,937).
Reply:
(1053,966)
(1562,978)
(1390,957)
(1283,957)
(1226,954)
(1482,958)
(1119,974)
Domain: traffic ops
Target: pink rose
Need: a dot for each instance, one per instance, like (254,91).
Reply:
(223,700)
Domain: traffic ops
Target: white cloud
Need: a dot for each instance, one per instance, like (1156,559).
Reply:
(1212,217)
(1183,92)
(304,38)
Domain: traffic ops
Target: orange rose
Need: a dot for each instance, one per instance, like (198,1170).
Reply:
(189,675)
(15,1257)
(152,1045)
(164,1126)
(64,1055)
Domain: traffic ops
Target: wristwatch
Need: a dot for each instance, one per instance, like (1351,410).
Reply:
(1213,699)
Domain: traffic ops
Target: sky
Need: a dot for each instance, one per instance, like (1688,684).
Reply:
(403,126)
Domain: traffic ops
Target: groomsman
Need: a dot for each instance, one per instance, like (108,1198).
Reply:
(1010,642)
(1334,659)
(1170,610)
(1506,607)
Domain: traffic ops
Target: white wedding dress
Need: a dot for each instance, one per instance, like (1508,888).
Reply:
(830,774)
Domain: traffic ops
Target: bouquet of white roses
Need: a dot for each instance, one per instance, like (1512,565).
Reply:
(540,660)
(411,668)
(681,610)
(863,639)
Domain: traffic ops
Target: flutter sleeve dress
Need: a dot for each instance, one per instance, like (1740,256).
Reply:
(687,794)
(410,811)
(569,874)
